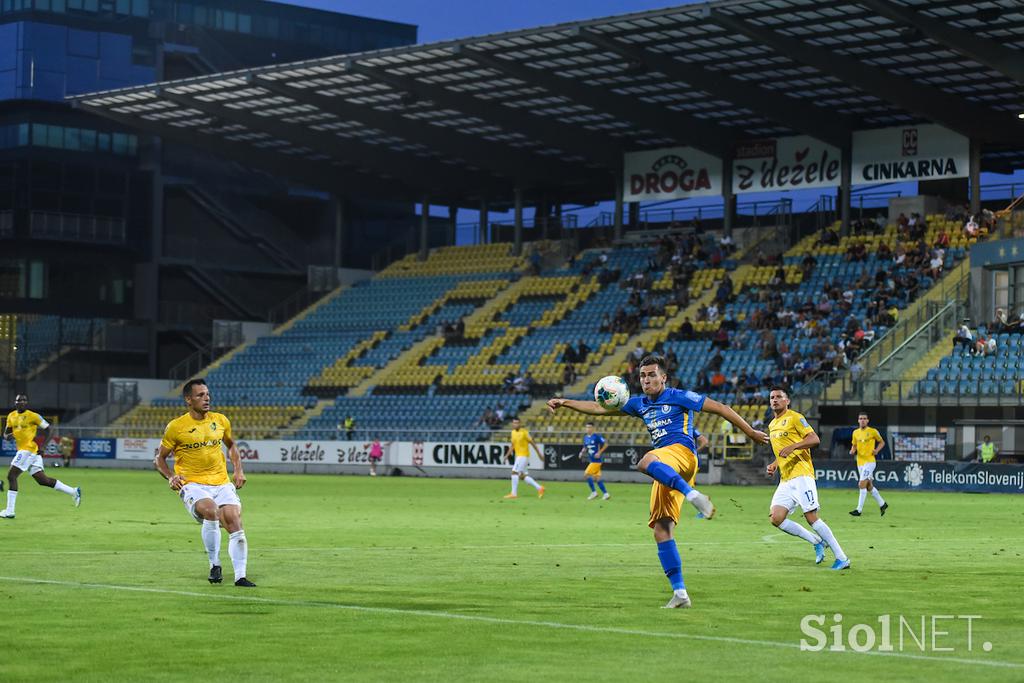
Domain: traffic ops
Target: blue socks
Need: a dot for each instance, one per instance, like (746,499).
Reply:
(600,485)
(668,553)
(590,483)
(663,474)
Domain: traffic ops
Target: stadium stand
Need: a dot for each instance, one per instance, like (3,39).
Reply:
(468,329)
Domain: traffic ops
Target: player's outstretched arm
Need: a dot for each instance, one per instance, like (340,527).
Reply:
(586,407)
(727,413)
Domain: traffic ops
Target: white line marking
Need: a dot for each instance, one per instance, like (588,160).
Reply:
(496,620)
(684,543)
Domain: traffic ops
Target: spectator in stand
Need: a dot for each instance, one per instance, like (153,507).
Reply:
(935,265)
(1000,324)
(971,227)
(720,340)
(964,337)
(702,384)
(569,355)
(686,329)
(727,244)
(717,381)
(582,352)
(942,239)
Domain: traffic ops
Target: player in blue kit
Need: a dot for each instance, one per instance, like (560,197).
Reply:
(592,453)
(668,414)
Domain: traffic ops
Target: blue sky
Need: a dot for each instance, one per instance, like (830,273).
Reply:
(449,19)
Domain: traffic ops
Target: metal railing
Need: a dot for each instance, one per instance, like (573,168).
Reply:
(756,211)
(905,393)
(76,227)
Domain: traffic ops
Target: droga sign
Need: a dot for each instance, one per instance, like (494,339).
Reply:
(921,152)
(672,173)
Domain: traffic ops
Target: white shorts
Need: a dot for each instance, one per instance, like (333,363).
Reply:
(866,471)
(222,495)
(28,461)
(800,491)
(521,465)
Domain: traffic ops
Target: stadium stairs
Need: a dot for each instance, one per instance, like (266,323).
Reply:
(906,383)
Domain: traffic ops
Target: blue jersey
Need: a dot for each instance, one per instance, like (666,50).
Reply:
(669,418)
(593,443)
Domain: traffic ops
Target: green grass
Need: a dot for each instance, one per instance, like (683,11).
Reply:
(365,579)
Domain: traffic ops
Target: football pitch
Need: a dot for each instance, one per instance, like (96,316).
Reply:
(441,580)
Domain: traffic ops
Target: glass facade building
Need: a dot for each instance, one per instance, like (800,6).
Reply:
(104,222)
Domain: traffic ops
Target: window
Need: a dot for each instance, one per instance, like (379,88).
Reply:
(73,139)
(1001,288)
(244,23)
(103,142)
(123,7)
(140,8)
(120,143)
(43,5)
(36,280)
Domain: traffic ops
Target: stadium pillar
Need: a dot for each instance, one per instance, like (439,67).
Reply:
(453,217)
(484,219)
(424,227)
(517,245)
(728,198)
(339,230)
(845,186)
(974,176)
(617,214)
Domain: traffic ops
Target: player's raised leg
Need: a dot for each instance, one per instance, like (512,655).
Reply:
(782,505)
(58,485)
(667,475)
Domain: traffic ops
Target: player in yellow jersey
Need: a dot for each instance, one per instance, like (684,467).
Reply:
(792,440)
(867,444)
(201,477)
(23,425)
(521,444)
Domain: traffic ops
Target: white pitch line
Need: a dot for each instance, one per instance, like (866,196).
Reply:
(766,539)
(503,622)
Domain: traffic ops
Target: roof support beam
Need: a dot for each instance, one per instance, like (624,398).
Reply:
(514,163)
(408,169)
(571,139)
(1006,61)
(800,115)
(972,120)
(684,128)
(313,174)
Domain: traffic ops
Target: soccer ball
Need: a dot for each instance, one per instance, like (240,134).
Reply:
(611,392)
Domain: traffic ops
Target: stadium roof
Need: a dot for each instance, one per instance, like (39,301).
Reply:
(552,109)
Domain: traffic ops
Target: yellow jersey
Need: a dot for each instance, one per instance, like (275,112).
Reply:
(196,444)
(521,443)
(787,429)
(865,440)
(24,426)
